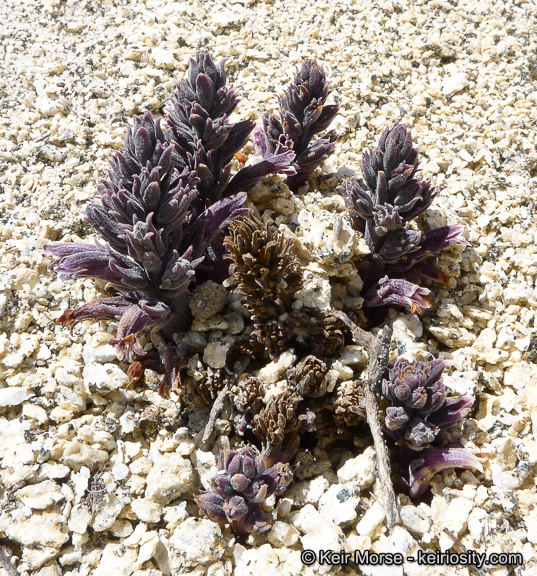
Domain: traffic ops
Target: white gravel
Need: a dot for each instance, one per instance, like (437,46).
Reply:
(83,490)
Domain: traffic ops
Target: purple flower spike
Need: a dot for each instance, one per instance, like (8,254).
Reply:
(434,460)
(203,138)
(393,195)
(303,114)
(245,479)
(159,213)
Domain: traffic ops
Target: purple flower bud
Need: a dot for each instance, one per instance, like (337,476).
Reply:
(419,408)
(245,479)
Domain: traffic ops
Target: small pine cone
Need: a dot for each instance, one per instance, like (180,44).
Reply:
(310,377)
(274,336)
(211,385)
(349,404)
(264,267)
(278,421)
(248,393)
(326,333)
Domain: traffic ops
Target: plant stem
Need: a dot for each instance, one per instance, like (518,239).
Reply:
(378,350)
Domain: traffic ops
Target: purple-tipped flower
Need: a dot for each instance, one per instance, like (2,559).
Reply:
(393,195)
(204,138)
(388,292)
(152,239)
(419,408)
(245,479)
(421,470)
(303,114)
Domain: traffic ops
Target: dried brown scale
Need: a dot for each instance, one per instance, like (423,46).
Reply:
(348,404)
(211,385)
(326,334)
(273,335)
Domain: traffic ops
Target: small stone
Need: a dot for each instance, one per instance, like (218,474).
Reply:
(271,373)
(455,83)
(13,396)
(121,529)
(162,58)
(108,509)
(309,491)
(198,541)
(101,354)
(117,560)
(148,548)
(318,532)
(48,530)
(206,467)
(371,520)
(359,470)
(104,376)
(146,510)
(79,519)
(452,516)
(170,476)
(207,300)
(35,412)
(215,354)
(282,534)
(338,504)
(415,519)
(40,496)
(77,454)
(52,471)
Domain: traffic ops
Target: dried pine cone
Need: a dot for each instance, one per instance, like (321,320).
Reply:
(248,394)
(264,268)
(210,386)
(309,377)
(274,336)
(349,409)
(327,335)
(244,480)
(277,422)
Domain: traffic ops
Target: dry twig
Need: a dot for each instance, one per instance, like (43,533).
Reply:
(219,402)
(378,352)
(6,564)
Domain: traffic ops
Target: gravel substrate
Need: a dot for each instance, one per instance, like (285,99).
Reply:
(87,487)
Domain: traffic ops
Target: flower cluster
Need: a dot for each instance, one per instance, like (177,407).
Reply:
(303,114)
(151,243)
(418,410)
(166,199)
(393,196)
(267,276)
(245,479)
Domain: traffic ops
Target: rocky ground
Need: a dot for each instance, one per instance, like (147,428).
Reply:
(97,479)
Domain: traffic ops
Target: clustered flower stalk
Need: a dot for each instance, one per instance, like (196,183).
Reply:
(303,114)
(418,410)
(167,198)
(394,195)
(244,480)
